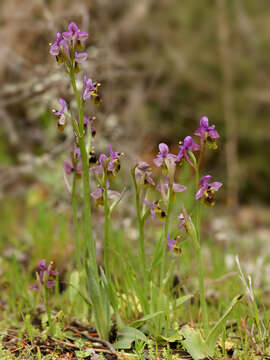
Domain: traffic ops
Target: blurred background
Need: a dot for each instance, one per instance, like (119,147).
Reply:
(163,64)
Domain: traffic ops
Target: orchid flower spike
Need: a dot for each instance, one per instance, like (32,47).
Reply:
(207,133)
(206,190)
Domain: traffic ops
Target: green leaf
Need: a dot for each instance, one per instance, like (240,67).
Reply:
(145,318)
(180,301)
(100,301)
(127,336)
(193,342)
(214,333)
(171,337)
(81,295)
(197,347)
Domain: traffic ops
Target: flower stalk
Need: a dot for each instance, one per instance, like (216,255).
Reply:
(88,232)
(199,253)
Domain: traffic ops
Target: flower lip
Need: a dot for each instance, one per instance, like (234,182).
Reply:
(170,243)
(206,190)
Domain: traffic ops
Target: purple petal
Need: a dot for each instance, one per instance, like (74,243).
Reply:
(153,214)
(200,132)
(163,188)
(110,150)
(143,166)
(180,154)
(102,159)
(80,57)
(82,36)
(204,180)
(35,286)
(188,142)
(50,283)
(86,94)
(178,187)
(68,167)
(181,223)
(63,105)
(199,193)
(216,185)
(72,27)
(150,180)
(42,265)
(54,50)
(213,134)
(97,194)
(158,161)
(204,122)
(163,149)
(170,243)
(147,203)
(58,38)
(67,35)
(172,158)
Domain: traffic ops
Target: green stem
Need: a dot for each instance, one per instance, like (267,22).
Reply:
(140,222)
(88,232)
(48,310)
(75,223)
(166,232)
(199,259)
(106,229)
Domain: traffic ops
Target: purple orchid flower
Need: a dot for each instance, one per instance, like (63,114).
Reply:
(80,57)
(90,120)
(45,276)
(55,48)
(60,49)
(207,133)
(188,145)
(98,195)
(89,86)
(101,166)
(181,224)
(74,36)
(70,168)
(61,123)
(75,166)
(114,165)
(142,173)
(163,188)
(206,190)
(155,209)
(165,158)
(172,245)
(91,91)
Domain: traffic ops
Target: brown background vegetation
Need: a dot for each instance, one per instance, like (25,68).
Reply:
(162,63)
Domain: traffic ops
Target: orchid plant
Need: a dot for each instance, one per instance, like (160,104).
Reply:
(147,278)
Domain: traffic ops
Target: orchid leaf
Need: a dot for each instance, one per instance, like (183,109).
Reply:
(127,336)
(171,337)
(214,333)
(180,301)
(193,342)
